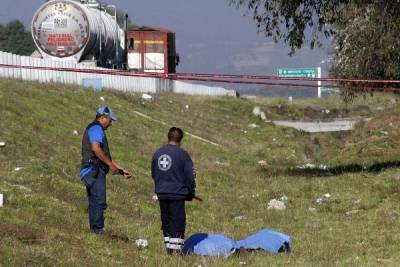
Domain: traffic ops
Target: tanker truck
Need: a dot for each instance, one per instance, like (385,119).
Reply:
(78,30)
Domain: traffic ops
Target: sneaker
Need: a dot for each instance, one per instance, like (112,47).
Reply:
(98,231)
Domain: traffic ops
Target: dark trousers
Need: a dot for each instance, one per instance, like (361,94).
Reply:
(173,219)
(96,192)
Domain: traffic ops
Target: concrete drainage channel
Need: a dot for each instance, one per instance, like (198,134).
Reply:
(320,126)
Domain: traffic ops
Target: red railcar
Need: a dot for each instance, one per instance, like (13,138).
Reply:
(151,49)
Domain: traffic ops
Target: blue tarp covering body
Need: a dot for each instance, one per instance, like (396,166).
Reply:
(220,245)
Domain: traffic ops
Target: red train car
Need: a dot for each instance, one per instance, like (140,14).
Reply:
(151,49)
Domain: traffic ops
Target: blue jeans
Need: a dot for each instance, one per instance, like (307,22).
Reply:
(96,191)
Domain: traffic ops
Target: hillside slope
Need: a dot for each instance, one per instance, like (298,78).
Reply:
(44,220)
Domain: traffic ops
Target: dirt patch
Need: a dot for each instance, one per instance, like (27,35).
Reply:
(118,237)
(362,109)
(22,233)
(310,112)
(318,113)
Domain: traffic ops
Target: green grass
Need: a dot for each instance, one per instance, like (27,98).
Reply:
(48,226)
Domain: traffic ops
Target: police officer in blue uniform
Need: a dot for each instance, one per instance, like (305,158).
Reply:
(96,163)
(174,179)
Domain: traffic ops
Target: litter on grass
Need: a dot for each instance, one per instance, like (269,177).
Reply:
(276,205)
(284,198)
(21,187)
(142,243)
(147,97)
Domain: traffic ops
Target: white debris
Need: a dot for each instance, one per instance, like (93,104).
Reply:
(2,144)
(170,102)
(75,132)
(263,116)
(324,198)
(155,197)
(245,131)
(352,212)
(102,98)
(242,263)
(290,99)
(108,252)
(255,195)
(273,139)
(262,162)
(1,200)
(327,195)
(186,107)
(18,169)
(276,205)
(21,187)
(222,163)
(253,125)
(256,111)
(284,198)
(147,97)
(306,166)
(312,166)
(384,133)
(142,243)
(312,209)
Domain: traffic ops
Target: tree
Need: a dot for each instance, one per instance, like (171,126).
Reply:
(365,33)
(368,45)
(294,22)
(15,39)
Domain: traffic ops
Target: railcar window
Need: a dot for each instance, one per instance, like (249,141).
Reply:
(131,43)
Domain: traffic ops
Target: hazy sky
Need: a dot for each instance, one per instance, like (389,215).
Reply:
(211,35)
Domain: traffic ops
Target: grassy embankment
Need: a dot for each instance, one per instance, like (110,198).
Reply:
(45,222)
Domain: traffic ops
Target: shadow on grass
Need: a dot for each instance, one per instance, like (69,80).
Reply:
(341,169)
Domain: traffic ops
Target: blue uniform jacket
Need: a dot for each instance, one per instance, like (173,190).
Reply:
(173,173)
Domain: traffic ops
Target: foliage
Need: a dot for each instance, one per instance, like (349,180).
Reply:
(294,21)
(367,42)
(15,39)
(365,33)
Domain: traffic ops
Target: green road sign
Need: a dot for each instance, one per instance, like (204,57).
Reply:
(329,90)
(298,73)
(326,89)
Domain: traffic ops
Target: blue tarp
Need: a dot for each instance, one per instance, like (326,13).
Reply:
(208,245)
(220,245)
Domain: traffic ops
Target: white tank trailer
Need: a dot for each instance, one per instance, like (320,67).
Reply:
(78,30)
